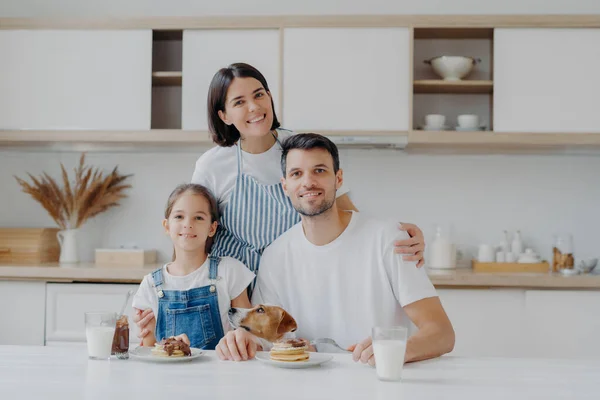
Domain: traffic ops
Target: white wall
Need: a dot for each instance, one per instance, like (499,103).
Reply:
(21,8)
(479,195)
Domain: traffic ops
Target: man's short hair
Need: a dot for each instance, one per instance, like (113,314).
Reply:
(308,141)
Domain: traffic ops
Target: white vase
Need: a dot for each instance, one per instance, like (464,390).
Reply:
(68,246)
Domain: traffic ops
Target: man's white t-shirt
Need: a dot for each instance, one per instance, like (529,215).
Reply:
(217,168)
(342,289)
(234,279)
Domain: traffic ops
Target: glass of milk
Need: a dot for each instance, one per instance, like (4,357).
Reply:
(389,346)
(99,333)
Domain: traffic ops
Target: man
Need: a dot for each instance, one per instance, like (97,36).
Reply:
(336,271)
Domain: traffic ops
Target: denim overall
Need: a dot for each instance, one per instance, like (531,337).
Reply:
(194,312)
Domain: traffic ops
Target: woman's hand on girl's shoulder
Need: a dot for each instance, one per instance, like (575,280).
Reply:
(412,248)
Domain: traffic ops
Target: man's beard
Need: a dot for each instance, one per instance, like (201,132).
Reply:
(324,206)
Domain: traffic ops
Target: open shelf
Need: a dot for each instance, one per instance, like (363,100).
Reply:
(166,78)
(491,141)
(458,87)
(454,33)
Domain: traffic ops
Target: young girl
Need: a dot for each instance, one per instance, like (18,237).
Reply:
(193,294)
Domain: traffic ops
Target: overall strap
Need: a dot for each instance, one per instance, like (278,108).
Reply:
(157,277)
(213,272)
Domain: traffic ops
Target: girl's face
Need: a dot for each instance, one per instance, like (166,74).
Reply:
(248,108)
(189,224)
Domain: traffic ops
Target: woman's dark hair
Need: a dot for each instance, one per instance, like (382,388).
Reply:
(308,141)
(222,134)
(200,191)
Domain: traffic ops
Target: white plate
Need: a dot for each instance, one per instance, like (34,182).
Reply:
(145,354)
(314,360)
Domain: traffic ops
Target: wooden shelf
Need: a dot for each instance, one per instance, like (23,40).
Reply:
(502,142)
(454,33)
(459,87)
(152,136)
(166,78)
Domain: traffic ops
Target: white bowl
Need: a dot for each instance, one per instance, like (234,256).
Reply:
(452,68)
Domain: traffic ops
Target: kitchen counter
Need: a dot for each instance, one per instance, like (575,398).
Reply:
(30,372)
(440,278)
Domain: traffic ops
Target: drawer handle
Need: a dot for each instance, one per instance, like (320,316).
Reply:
(4,250)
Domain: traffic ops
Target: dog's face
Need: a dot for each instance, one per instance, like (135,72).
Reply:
(266,322)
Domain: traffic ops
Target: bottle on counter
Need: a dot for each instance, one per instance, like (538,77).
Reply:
(517,244)
(442,251)
(120,345)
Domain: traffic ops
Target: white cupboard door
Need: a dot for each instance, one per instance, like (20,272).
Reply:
(207,51)
(487,322)
(67,303)
(346,79)
(22,313)
(563,324)
(76,79)
(546,80)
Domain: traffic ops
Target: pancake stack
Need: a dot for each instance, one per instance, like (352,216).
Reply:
(171,347)
(290,350)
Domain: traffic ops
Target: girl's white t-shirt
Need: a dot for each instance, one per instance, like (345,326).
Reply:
(217,168)
(234,279)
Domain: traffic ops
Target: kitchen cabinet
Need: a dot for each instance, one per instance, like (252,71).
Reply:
(356,79)
(546,80)
(75,79)
(22,313)
(66,304)
(563,324)
(487,322)
(206,51)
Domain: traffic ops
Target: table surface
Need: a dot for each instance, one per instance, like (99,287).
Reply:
(38,372)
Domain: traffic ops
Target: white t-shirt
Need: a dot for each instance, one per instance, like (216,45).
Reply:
(217,168)
(234,279)
(342,289)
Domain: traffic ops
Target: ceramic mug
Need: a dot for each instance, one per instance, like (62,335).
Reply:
(468,121)
(487,253)
(435,120)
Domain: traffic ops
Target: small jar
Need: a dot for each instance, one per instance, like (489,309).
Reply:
(120,345)
(562,253)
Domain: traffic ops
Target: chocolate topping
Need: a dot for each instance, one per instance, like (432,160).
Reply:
(292,343)
(171,344)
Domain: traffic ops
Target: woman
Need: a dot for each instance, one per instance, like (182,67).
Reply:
(243,171)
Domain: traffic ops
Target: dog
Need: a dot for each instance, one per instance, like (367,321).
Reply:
(269,323)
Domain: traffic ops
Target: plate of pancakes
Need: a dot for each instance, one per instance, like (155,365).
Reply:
(292,353)
(167,350)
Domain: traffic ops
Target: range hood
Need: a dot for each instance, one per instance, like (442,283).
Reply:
(398,142)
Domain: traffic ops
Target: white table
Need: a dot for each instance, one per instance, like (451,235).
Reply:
(29,372)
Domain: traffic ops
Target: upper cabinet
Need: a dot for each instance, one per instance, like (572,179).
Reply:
(546,80)
(75,79)
(207,51)
(356,79)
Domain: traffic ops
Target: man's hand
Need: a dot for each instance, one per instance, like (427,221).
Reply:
(238,345)
(363,352)
(144,321)
(413,247)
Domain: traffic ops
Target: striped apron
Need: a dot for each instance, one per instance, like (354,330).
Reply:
(254,217)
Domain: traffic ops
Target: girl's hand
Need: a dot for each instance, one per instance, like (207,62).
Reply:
(145,321)
(414,247)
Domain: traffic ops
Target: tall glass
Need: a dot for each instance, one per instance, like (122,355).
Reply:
(99,332)
(389,346)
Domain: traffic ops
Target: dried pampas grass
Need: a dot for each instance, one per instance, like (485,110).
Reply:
(90,194)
